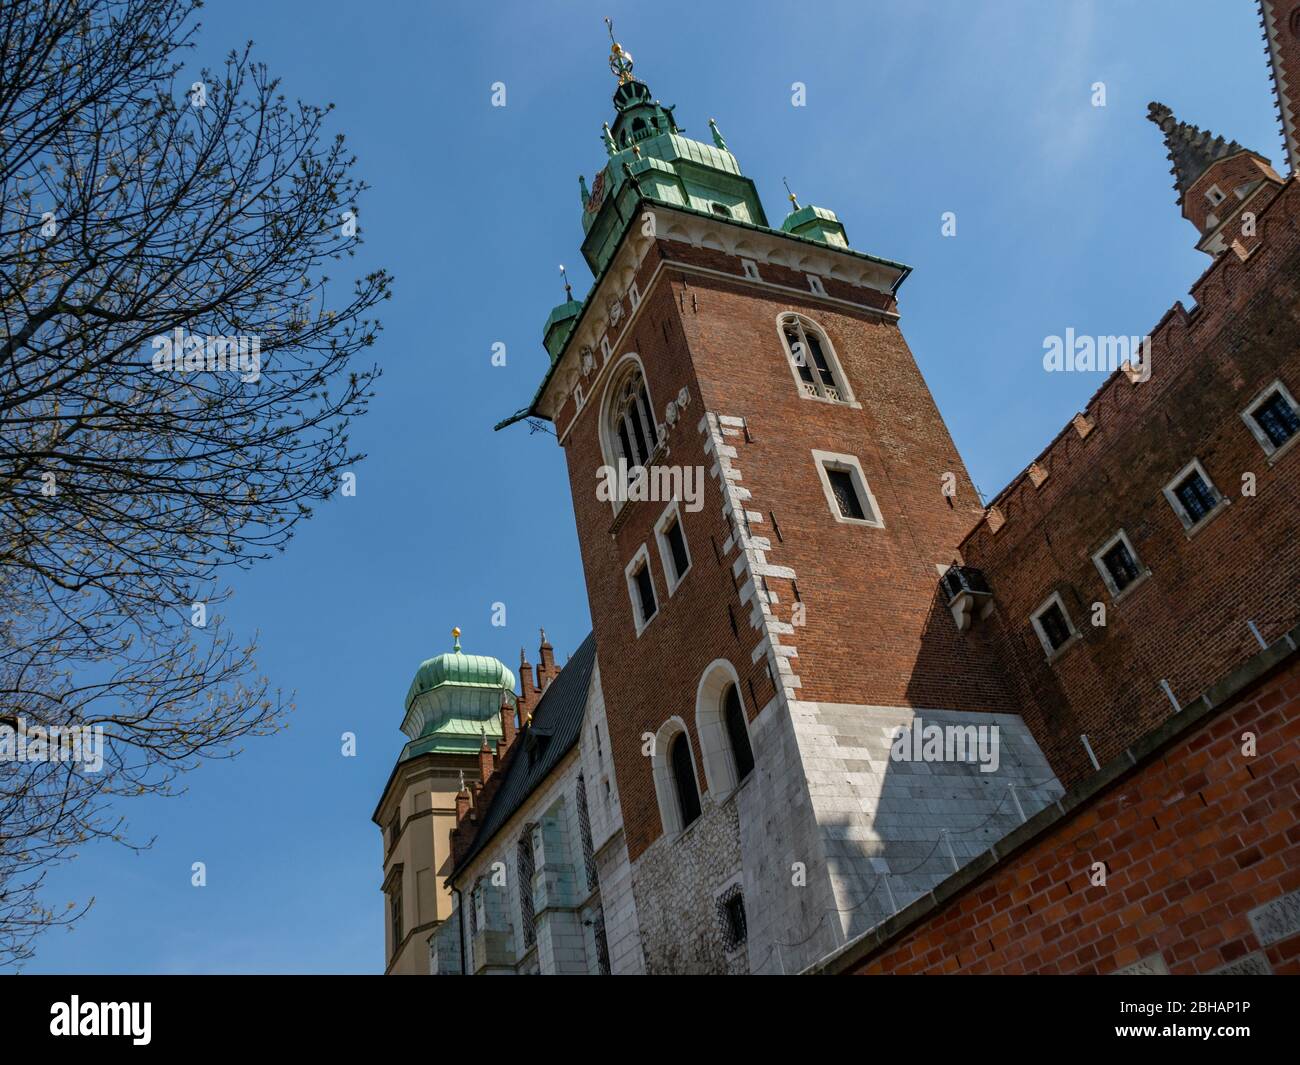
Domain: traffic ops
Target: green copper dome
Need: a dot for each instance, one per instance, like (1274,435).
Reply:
(454,701)
(816,223)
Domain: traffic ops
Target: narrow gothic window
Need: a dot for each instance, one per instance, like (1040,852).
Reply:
(632,422)
(395,912)
(688,797)
(734,716)
(645,590)
(807,348)
(584,829)
(526,869)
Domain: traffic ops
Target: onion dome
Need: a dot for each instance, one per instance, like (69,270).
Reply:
(454,702)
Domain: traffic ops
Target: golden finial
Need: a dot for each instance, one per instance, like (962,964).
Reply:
(455,635)
(620,62)
(791,194)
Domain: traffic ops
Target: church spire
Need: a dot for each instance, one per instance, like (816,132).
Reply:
(1192,150)
(1221,186)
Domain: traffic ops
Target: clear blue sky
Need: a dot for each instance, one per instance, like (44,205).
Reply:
(1066,218)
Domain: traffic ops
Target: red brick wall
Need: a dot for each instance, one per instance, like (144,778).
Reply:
(1193,841)
(874,631)
(1282,23)
(1188,622)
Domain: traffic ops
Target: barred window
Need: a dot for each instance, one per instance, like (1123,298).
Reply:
(1120,565)
(1195,496)
(584,830)
(602,944)
(1052,624)
(525,862)
(731,917)
(1273,418)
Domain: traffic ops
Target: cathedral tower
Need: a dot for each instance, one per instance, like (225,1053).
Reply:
(766,498)
(457,705)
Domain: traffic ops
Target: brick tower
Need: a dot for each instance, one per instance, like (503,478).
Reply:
(766,497)
(1281,22)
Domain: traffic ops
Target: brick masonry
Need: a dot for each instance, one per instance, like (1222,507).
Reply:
(1200,844)
(1187,624)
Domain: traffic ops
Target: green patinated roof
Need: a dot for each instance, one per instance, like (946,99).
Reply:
(454,701)
(459,669)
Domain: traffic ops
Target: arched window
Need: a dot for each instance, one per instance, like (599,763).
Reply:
(688,796)
(631,421)
(813,359)
(723,729)
(673,764)
(733,715)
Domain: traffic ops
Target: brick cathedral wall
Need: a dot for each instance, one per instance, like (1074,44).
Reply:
(1187,623)
(1201,847)
(875,632)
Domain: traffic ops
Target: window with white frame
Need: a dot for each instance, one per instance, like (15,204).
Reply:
(1118,564)
(641,589)
(673,551)
(751,269)
(1273,418)
(812,358)
(847,492)
(1192,496)
(1052,624)
(630,420)
(1215,195)
(815,284)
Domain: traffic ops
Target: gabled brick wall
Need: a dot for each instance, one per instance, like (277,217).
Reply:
(1187,623)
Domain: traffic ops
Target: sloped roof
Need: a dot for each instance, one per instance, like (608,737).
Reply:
(554,730)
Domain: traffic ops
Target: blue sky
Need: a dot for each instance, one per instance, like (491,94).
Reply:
(1066,218)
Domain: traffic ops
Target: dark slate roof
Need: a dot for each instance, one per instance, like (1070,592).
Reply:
(1192,150)
(539,749)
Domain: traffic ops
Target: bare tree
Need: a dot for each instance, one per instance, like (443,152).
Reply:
(176,386)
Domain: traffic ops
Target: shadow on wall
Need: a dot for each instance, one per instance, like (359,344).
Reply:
(906,797)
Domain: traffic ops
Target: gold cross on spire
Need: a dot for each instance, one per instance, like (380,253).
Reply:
(620,62)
